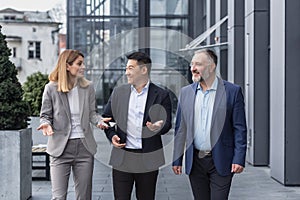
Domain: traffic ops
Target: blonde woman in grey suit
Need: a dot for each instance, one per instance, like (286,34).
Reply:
(67,111)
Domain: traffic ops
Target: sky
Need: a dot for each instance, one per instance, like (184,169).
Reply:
(30,5)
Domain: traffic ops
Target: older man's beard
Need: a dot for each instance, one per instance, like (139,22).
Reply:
(200,80)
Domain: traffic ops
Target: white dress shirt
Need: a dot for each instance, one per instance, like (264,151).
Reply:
(136,109)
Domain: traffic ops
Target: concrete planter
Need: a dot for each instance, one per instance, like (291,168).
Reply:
(15,164)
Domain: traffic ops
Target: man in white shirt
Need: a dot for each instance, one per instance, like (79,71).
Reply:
(142,113)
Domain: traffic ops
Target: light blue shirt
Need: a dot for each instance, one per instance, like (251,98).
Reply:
(203,110)
(136,109)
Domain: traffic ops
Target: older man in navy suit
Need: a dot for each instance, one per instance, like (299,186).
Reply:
(211,127)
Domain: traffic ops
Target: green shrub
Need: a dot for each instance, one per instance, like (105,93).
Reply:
(33,91)
(14,111)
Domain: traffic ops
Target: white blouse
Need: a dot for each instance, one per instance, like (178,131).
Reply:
(73,99)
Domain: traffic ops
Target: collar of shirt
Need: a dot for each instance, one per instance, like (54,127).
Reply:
(212,88)
(145,89)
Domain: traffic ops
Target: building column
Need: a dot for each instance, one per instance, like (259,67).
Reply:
(236,42)
(196,16)
(144,22)
(257,80)
(284,91)
(221,36)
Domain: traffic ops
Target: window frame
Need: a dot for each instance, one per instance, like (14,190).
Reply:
(34,50)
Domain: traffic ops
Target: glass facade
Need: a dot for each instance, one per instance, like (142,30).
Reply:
(106,30)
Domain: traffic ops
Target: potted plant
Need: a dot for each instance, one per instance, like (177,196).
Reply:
(33,93)
(15,137)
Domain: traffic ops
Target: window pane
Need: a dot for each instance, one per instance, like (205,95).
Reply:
(97,33)
(168,7)
(30,50)
(124,7)
(103,7)
(38,50)
(179,24)
(76,7)
(30,54)
(14,54)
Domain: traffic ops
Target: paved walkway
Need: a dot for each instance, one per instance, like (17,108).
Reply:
(253,184)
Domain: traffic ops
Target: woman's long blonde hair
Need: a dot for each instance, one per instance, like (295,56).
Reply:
(60,73)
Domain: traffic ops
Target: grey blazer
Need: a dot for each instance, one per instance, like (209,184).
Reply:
(55,111)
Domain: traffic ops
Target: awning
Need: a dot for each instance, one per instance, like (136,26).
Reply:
(195,44)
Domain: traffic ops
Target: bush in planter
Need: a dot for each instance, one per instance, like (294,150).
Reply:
(14,111)
(15,137)
(33,91)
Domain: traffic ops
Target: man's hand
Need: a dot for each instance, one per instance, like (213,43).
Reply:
(177,170)
(155,127)
(103,123)
(235,168)
(115,140)
(46,128)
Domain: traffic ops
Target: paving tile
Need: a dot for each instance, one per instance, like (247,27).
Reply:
(254,183)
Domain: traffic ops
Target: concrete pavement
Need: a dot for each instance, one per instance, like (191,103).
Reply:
(253,184)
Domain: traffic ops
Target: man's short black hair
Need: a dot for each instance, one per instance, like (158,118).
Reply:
(140,57)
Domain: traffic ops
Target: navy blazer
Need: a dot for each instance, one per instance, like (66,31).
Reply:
(228,128)
(158,107)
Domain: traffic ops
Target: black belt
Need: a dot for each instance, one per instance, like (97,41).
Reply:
(202,154)
(134,150)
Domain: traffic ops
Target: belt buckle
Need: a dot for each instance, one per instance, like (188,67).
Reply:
(202,154)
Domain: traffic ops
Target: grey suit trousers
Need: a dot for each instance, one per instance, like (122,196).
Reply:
(81,161)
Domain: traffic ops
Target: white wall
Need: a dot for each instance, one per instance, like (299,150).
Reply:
(49,48)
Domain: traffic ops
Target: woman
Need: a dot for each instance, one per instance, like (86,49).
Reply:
(67,110)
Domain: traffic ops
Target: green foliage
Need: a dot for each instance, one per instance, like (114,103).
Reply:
(33,91)
(13,109)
